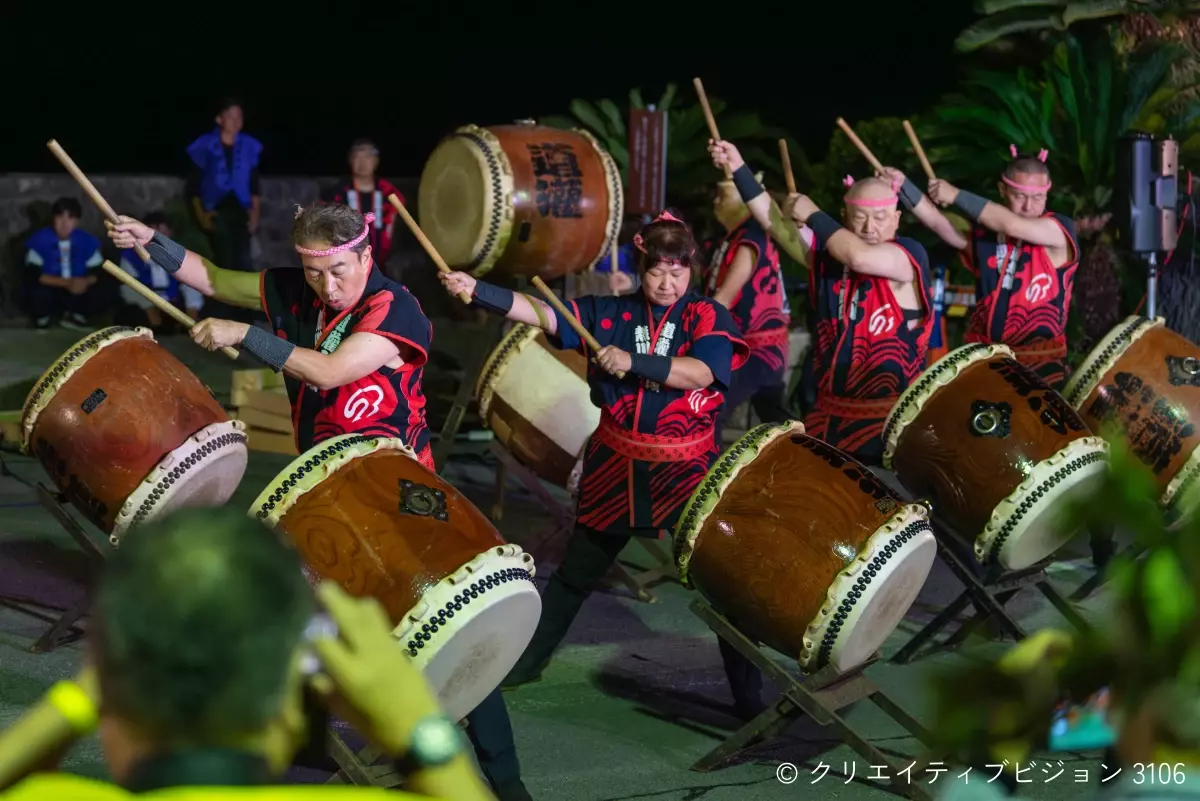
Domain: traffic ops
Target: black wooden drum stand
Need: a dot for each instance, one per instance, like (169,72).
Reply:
(821,696)
(366,768)
(988,595)
(484,345)
(638,584)
(64,629)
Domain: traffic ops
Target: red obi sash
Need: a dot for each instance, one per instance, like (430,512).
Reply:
(650,447)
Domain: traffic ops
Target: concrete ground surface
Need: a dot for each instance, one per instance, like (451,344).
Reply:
(636,695)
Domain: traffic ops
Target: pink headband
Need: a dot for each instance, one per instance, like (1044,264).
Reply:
(640,243)
(369,218)
(848,182)
(1042,155)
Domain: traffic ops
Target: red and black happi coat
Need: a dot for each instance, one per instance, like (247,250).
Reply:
(384,227)
(867,352)
(761,309)
(1022,299)
(654,444)
(386,403)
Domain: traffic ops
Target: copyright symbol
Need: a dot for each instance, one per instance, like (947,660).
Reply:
(786,773)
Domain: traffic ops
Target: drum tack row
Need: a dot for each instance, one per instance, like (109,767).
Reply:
(799,545)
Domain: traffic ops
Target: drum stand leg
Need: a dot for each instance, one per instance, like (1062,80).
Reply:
(989,596)
(361,768)
(63,630)
(466,390)
(822,697)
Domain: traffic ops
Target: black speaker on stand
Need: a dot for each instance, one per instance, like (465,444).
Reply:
(1146,202)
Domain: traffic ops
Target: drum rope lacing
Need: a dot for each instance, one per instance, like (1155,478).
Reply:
(438,620)
(309,465)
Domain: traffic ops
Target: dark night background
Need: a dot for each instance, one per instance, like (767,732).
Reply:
(134,93)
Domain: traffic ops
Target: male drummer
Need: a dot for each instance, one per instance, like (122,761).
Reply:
(870,293)
(352,345)
(1024,259)
(660,377)
(743,276)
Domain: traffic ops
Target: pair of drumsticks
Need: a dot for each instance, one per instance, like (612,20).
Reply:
(170,309)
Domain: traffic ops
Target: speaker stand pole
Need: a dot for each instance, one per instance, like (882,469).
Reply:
(1151,285)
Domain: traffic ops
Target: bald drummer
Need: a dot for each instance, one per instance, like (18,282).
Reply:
(870,294)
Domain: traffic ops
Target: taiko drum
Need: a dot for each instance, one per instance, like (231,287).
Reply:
(997,451)
(521,199)
(536,400)
(803,548)
(127,433)
(362,511)
(1142,382)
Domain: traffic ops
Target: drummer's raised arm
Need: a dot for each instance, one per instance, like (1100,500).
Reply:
(515,306)
(751,191)
(231,286)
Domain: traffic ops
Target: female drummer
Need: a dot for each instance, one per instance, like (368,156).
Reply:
(352,345)
(675,351)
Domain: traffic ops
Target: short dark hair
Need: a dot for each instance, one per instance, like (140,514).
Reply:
(359,144)
(335,223)
(198,615)
(67,205)
(156,218)
(228,103)
(667,240)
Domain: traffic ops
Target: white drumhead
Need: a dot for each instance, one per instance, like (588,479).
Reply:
(549,395)
(470,649)
(886,576)
(203,471)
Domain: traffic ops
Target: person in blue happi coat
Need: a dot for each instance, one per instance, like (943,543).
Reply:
(61,261)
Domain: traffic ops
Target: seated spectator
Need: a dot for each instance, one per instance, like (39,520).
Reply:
(202,639)
(158,279)
(61,260)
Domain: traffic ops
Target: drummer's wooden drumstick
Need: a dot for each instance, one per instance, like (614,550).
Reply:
(565,313)
(786,160)
(149,294)
(424,240)
(920,151)
(858,143)
(91,191)
(708,117)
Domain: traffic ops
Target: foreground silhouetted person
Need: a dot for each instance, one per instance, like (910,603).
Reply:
(202,641)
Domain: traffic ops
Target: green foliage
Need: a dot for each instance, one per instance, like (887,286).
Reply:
(1006,18)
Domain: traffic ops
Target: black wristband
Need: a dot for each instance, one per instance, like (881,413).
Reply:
(970,205)
(267,348)
(823,225)
(650,366)
(747,186)
(910,195)
(166,253)
(495,298)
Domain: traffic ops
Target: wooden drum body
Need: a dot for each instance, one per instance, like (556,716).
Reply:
(537,401)
(128,433)
(365,513)
(997,451)
(1144,380)
(803,548)
(521,200)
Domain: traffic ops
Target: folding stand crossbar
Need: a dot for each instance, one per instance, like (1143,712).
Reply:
(563,522)
(364,768)
(821,696)
(64,629)
(988,595)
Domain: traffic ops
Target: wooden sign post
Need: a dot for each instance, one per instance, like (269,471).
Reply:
(646,189)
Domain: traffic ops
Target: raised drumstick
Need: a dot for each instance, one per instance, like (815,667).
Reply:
(149,294)
(424,240)
(708,117)
(91,191)
(786,160)
(920,151)
(858,143)
(559,307)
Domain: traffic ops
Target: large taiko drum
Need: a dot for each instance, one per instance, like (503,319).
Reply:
(536,400)
(1143,379)
(998,453)
(521,200)
(803,548)
(362,511)
(127,433)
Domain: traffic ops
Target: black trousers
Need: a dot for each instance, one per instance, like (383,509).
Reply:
(53,301)
(765,390)
(589,556)
(490,732)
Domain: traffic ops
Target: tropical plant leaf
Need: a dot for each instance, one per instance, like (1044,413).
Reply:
(1006,23)
(590,116)
(635,98)
(668,97)
(613,116)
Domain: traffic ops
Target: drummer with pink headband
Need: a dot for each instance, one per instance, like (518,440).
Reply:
(1024,259)
(869,291)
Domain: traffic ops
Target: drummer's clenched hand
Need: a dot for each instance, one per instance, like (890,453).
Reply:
(129,232)
(892,176)
(613,360)
(457,282)
(213,334)
(725,154)
(942,193)
(800,208)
